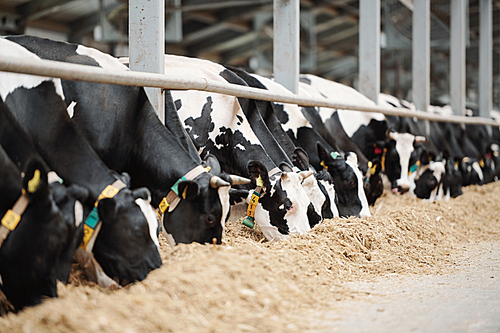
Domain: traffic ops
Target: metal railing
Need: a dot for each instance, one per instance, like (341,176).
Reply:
(68,71)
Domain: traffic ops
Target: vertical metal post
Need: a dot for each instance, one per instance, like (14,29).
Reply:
(421,68)
(286,43)
(369,48)
(457,56)
(147,44)
(485,59)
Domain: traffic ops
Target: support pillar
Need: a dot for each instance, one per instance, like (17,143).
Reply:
(147,45)
(286,43)
(369,48)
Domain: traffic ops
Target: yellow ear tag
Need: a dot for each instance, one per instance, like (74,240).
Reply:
(260,182)
(208,168)
(481,163)
(456,165)
(184,192)
(370,164)
(34,182)
(324,165)
(373,170)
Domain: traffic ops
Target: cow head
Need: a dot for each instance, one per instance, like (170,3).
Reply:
(399,156)
(29,255)
(452,180)
(127,244)
(325,182)
(428,177)
(69,200)
(471,172)
(319,188)
(204,208)
(373,184)
(284,207)
(348,181)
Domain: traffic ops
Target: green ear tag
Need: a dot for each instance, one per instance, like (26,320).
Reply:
(249,222)
(413,168)
(334,154)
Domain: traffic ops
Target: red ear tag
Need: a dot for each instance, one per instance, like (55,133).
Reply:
(378,151)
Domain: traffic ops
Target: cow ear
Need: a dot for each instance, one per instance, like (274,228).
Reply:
(125,178)
(285,167)
(106,208)
(323,155)
(141,193)
(35,181)
(78,192)
(424,157)
(188,189)
(237,195)
(300,159)
(255,169)
(212,162)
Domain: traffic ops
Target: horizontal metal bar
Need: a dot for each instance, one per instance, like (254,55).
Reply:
(76,72)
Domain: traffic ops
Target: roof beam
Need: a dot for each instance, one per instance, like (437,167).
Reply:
(35,9)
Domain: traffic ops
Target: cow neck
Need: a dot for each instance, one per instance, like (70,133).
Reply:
(92,224)
(12,217)
(161,164)
(173,197)
(58,140)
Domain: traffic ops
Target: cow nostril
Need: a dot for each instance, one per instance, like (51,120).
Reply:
(210,220)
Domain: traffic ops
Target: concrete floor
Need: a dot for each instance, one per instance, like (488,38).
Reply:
(467,300)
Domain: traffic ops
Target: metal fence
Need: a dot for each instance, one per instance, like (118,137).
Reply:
(76,72)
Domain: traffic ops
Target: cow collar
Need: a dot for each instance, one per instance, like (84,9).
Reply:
(92,224)
(172,199)
(249,219)
(12,217)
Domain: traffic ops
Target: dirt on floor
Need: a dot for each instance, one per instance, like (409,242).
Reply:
(251,285)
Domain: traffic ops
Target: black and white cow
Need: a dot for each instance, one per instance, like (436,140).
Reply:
(370,131)
(123,128)
(21,151)
(346,177)
(278,145)
(217,125)
(29,251)
(126,245)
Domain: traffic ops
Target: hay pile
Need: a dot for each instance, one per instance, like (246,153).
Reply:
(249,284)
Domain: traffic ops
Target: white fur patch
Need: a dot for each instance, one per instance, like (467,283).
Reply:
(193,101)
(297,220)
(314,193)
(71,109)
(104,60)
(404,147)
(351,120)
(78,213)
(295,117)
(478,170)
(224,200)
(11,81)
(240,146)
(330,189)
(352,161)
(150,215)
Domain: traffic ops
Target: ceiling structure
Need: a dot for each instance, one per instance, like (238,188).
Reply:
(239,33)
